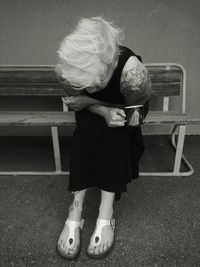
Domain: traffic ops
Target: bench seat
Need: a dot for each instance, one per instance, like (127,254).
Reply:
(168,82)
(47,118)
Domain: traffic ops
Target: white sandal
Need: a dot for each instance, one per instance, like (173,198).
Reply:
(96,240)
(71,238)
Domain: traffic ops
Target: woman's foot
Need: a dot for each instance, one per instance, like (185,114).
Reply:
(102,239)
(68,246)
(103,236)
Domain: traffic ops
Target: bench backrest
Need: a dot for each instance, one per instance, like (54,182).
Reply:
(167,80)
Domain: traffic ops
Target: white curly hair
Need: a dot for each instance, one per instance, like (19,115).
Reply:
(85,55)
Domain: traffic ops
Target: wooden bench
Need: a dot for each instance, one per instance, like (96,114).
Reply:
(168,80)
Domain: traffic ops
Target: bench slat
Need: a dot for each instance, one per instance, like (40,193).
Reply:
(32,90)
(170,118)
(37,119)
(49,76)
(30,76)
(162,89)
(165,76)
(43,81)
(68,119)
(166,89)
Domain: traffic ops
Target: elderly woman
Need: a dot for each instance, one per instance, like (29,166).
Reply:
(101,77)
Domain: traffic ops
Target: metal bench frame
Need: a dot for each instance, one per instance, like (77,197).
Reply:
(178,146)
(178,129)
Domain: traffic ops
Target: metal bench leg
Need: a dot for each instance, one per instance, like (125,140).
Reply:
(179,151)
(179,148)
(56,148)
(178,156)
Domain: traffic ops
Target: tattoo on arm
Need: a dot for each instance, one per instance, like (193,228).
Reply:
(135,82)
(74,205)
(75,193)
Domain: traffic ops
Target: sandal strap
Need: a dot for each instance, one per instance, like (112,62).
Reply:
(96,240)
(72,226)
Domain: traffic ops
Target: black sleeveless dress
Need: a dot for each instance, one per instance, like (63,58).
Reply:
(103,156)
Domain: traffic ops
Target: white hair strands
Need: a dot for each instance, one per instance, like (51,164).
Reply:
(85,54)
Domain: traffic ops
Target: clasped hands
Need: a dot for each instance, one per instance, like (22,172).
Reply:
(114,117)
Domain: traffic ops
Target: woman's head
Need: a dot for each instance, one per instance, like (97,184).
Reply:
(86,54)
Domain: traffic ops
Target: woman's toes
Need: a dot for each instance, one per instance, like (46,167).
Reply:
(105,247)
(101,248)
(62,245)
(97,250)
(71,251)
(91,249)
(109,244)
(65,248)
(59,244)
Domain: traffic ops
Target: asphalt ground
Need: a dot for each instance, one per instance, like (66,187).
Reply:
(157,219)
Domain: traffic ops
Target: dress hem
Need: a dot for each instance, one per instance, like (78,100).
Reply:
(117,193)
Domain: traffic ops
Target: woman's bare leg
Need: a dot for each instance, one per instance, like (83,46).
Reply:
(105,212)
(75,211)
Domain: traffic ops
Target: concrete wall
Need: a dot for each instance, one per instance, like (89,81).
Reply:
(160,31)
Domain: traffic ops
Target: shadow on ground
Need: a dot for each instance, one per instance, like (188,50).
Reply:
(157,220)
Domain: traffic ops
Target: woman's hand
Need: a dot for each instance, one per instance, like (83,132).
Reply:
(114,117)
(77,102)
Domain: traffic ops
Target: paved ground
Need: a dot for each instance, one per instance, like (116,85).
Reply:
(158,219)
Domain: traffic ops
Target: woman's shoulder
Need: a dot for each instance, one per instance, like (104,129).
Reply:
(125,49)
(132,62)
(128,59)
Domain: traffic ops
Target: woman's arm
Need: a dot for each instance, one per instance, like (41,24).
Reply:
(135,83)
(113,114)
(114,117)
(85,102)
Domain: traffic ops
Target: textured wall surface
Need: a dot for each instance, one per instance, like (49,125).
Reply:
(160,31)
